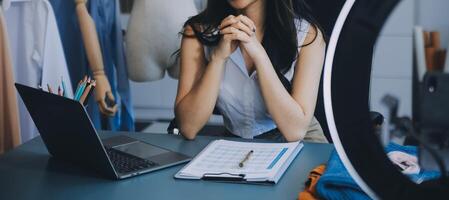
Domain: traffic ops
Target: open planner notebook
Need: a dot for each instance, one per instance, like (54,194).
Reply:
(222,160)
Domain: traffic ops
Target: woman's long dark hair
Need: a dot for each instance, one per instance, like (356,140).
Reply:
(280,36)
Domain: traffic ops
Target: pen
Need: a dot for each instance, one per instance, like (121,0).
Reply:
(242,163)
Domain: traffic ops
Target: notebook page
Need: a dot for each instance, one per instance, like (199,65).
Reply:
(224,156)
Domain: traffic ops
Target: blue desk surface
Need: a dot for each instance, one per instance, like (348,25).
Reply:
(29,172)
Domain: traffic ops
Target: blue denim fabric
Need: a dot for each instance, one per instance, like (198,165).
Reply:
(105,14)
(336,183)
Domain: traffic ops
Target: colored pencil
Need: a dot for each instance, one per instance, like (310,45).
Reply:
(49,88)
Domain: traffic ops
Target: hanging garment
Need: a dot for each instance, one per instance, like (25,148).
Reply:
(153,37)
(9,113)
(106,16)
(37,55)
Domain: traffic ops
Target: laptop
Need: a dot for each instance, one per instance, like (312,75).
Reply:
(69,135)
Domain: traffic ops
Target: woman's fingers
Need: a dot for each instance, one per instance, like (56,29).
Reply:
(242,27)
(247,21)
(237,35)
(228,30)
(240,22)
(231,19)
(237,28)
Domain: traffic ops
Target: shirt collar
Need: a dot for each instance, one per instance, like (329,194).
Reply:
(237,58)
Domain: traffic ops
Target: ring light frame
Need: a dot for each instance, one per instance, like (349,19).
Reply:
(346,80)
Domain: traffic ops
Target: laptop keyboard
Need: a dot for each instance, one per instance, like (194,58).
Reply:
(125,163)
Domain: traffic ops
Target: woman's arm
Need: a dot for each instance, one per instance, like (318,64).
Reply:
(199,84)
(293,112)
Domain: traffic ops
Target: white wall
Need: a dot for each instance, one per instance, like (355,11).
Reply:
(392,61)
(154,100)
(434,15)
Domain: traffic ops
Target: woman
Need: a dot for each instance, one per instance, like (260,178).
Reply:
(259,62)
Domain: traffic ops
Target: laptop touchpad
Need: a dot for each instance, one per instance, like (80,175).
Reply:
(140,149)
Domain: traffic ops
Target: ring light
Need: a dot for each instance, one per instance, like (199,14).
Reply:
(346,81)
